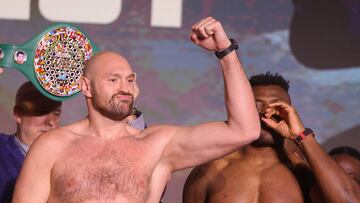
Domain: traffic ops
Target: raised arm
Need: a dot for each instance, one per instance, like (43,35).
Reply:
(190,146)
(33,183)
(336,185)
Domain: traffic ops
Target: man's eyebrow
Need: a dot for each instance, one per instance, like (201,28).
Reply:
(120,76)
(113,75)
(132,75)
(271,99)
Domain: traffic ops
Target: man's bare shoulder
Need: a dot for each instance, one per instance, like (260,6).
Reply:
(159,131)
(210,169)
(200,178)
(220,164)
(76,127)
(158,128)
(56,139)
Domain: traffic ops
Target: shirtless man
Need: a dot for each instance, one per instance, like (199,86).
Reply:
(259,172)
(349,160)
(103,159)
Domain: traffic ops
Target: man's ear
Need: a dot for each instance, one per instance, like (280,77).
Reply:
(85,86)
(17,116)
(136,91)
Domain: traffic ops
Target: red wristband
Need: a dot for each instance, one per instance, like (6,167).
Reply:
(303,135)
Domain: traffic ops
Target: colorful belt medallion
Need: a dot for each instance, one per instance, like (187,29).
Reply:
(53,61)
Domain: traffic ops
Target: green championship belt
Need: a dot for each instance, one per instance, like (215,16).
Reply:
(53,61)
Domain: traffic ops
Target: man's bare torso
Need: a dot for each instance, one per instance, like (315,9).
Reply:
(255,177)
(91,169)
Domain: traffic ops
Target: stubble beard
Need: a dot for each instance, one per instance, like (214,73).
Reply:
(111,109)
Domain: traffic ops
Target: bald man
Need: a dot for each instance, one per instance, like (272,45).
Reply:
(103,159)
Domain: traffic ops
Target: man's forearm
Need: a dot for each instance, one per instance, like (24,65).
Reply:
(335,184)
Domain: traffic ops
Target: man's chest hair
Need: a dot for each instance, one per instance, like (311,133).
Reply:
(90,171)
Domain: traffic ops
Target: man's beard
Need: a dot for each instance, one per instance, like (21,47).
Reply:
(112,109)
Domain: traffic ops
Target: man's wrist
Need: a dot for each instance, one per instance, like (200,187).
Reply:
(223,45)
(233,46)
(303,135)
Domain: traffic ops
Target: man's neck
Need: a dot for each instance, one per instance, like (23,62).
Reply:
(267,153)
(24,147)
(24,139)
(105,127)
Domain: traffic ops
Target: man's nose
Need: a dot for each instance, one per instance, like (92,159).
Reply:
(124,87)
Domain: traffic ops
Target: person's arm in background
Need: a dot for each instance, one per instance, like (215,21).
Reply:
(336,185)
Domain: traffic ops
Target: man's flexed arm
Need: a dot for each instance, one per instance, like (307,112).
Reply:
(189,146)
(210,35)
